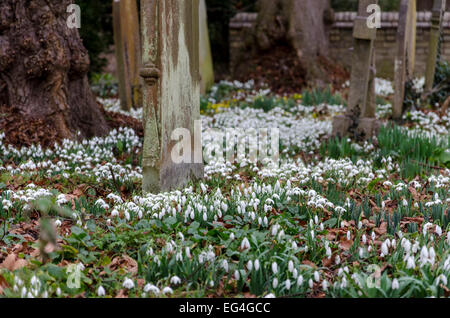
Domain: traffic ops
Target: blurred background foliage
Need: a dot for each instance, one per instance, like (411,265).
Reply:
(96,31)
(219,14)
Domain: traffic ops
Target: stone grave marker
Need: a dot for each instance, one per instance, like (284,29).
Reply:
(435,33)
(406,52)
(170,33)
(128,52)
(206,60)
(360,116)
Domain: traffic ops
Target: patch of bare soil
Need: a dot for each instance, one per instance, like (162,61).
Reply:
(282,71)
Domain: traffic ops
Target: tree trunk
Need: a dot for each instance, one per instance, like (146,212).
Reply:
(43,68)
(304,24)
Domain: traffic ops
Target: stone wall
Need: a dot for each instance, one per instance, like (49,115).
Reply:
(341,40)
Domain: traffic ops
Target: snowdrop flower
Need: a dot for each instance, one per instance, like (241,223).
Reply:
(58,223)
(300,281)
(415,247)
(237,276)
(256,265)
(291,266)
(432,254)
(101,292)
(349,236)
(316,276)
(438,230)
(274,267)
(325,284)
(395,284)
(411,263)
(311,283)
(275,283)
(373,236)
(287,284)
(152,289)
(175,280)
(442,278)
(225,265)
(337,260)
(128,283)
(245,244)
(167,290)
(270,296)
(364,239)
(406,244)
(232,236)
(249,265)
(425,228)
(384,249)
(424,255)
(344,283)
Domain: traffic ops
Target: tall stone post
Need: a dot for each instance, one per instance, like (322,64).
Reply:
(406,53)
(170,33)
(128,52)
(436,28)
(360,116)
(206,60)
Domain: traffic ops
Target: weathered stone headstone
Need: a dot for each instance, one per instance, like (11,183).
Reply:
(435,33)
(128,52)
(206,60)
(406,53)
(360,116)
(170,33)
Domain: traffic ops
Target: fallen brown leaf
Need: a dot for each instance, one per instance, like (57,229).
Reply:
(125,261)
(3,284)
(345,244)
(309,263)
(12,263)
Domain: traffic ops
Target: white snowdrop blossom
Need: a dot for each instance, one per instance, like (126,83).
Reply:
(128,283)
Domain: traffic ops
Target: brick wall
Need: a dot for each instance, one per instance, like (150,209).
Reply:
(341,40)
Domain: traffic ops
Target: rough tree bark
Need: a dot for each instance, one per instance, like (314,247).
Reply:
(304,24)
(43,68)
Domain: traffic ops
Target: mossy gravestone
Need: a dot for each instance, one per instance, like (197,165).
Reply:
(406,52)
(435,33)
(206,61)
(128,52)
(359,120)
(170,34)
